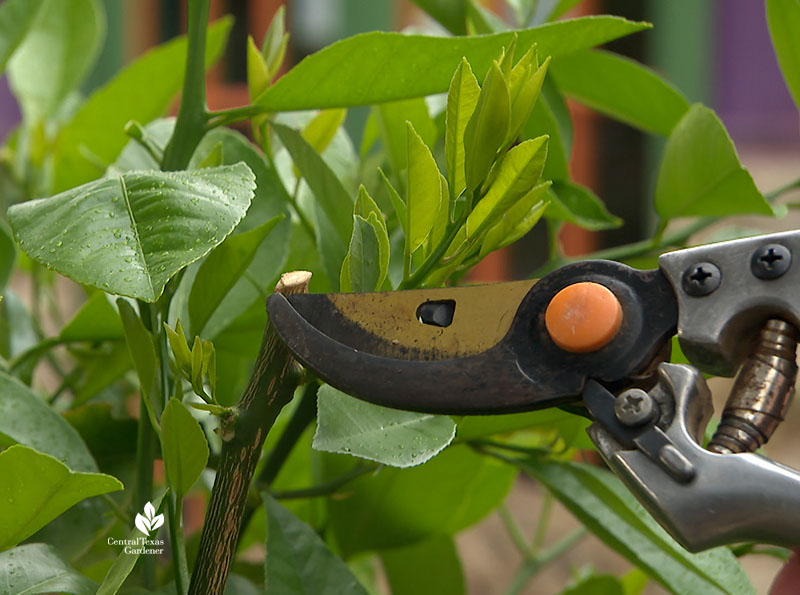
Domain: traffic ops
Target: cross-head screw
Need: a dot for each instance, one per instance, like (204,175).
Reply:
(634,407)
(702,278)
(770,261)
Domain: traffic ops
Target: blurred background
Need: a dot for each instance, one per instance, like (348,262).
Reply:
(715,51)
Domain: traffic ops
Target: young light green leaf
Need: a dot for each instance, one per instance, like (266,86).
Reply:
(221,270)
(437,568)
(364,259)
(275,42)
(214,158)
(423,190)
(335,201)
(180,348)
(16,18)
(129,234)
(26,419)
(461,101)
(550,117)
(321,129)
(141,91)
(258,78)
(606,508)
(487,127)
(37,568)
(183,446)
(631,92)
(700,173)
(577,204)
(523,99)
(57,53)
(367,208)
(375,514)
(369,136)
(36,488)
(298,561)
(518,173)
(391,118)
(398,438)
(390,66)
(518,220)
(97,320)
(143,354)
(442,218)
(197,367)
(398,203)
(783,18)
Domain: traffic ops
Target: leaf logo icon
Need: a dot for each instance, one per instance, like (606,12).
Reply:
(150,521)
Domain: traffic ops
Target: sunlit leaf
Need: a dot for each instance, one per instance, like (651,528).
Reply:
(461,100)
(577,204)
(423,190)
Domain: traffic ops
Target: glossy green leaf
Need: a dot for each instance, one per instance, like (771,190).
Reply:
(610,511)
(398,203)
(275,42)
(16,18)
(524,95)
(183,447)
(518,220)
(398,438)
(363,258)
(143,354)
(220,271)
(783,19)
(54,57)
(142,91)
(577,204)
(550,117)
(328,190)
(97,320)
(26,419)
(461,101)
(398,507)
(451,14)
(129,234)
(298,561)
(321,129)
(630,92)
(487,127)
(391,118)
(37,568)
(700,172)
(430,567)
(383,66)
(36,488)
(257,70)
(517,174)
(424,195)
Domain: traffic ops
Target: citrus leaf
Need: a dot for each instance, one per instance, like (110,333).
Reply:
(16,18)
(577,204)
(423,190)
(129,234)
(36,488)
(183,446)
(391,118)
(437,568)
(783,18)
(37,568)
(461,101)
(364,259)
(321,129)
(398,438)
(97,320)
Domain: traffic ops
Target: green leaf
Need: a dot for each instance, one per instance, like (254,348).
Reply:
(129,234)
(368,209)
(36,488)
(321,129)
(257,71)
(142,91)
(423,190)
(298,561)
(461,101)
(57,53)
(363,258)
(517,174)
(436,568)
(383,66)
(8,255)
(605,507)
(391,118)
(450,14)
(518,220)
(220,271)
(596,584)
(577,204)
(214,158)
(630,93)
(550,118)
(37,568)
(783,18)
(275,42)
(398,203)
(102,370)
(397,507)
(183,447)
(524,94)
(143,354)
(16,18)
(481,426)
(97,320)
(487,127)
(26,419)
(399,438)
(700,173)
(328,190)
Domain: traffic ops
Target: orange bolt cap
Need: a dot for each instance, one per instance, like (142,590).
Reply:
(583,317)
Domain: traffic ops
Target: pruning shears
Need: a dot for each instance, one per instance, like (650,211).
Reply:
(597,335)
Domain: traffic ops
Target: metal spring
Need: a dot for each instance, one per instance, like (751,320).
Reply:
(761,393)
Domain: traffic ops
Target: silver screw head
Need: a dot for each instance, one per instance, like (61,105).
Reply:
(634,407)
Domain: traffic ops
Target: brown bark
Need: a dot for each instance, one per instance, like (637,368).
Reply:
(271,386)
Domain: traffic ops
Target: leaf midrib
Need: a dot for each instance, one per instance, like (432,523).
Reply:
(135,228)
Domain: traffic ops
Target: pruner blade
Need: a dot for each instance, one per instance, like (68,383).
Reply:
(471,350)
